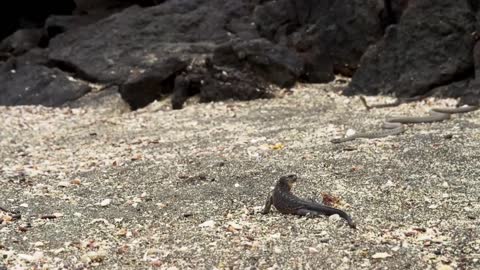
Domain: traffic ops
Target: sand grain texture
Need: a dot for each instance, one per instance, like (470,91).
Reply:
(161,189)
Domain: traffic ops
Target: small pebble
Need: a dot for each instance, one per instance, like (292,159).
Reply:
(381,255)
(105,202)
(94,256)
(334,218)
(208,223)
(63,184)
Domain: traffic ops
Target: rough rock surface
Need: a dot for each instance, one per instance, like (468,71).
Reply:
(335,32)
(217,83)
(139,54)
(131,43)
(105,6)
(33,84)
(180,31)
(430,46)
(165,189)
(227,83)
(277,64)
(98,48)
(57,24)
(142,88)
(21,41)
(115,47)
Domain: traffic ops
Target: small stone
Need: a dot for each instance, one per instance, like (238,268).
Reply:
(381,255)
(445,185)
(183,249)
(208,223)
(277,146)
(366,264)
(350,132)
(445,260)
(324,239)
(123,249)
(122,232)
(448,136)
(277,250)
(430,256)
(156,263)
(58,251)
(137,157)
(85,259)
(37,256)
(24,205)
(312,250)
(25,257)
(231,229)
(410,233)
(389,184)
(424,238)
(102,220)
(75,181)
(334,218)
(438,240)
(6,218)
(442,266)
(105,202)
(94,256)
(152,251)
(275,236)
(161,205)
(235,226)
(63,184)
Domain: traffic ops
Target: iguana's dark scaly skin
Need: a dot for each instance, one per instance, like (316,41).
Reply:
(287,203)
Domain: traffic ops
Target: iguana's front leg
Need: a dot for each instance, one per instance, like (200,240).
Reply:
(268,205)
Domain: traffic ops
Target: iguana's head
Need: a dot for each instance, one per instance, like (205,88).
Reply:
(288,180)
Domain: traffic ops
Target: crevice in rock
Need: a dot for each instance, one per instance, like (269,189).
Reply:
(142,93)
(74,71)
(464,76)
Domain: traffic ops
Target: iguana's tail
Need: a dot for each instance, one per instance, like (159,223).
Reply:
(326,210)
